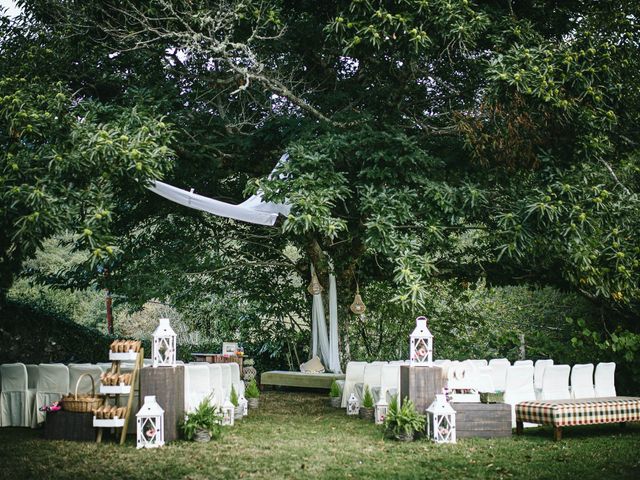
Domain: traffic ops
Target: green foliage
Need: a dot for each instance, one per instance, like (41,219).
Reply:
(234,396)
(252,390)
(205,417)
(335,392)
(403,419)
(367,398)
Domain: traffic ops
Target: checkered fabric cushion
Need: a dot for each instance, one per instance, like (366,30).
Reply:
(587,411)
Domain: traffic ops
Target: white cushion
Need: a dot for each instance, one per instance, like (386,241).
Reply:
(312,366)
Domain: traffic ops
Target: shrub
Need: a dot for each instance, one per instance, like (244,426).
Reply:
(206,417)
(234,396)
(404,419)
(367,399)
(252,390)
(335,390)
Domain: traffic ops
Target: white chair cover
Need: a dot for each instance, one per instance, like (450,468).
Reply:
(478,363)
(485,382)
(16,400)
(225,369)
(197,385)
(605,380)
(32,374)
(396,362)
(215,379)
(389,383)
(79,369)
(372,377)
(538,373)
(235,378)
(555,383)
(521,363)
(582,381)
(499,372)
(105,366)
(53,383)
(518,388)
(355,374)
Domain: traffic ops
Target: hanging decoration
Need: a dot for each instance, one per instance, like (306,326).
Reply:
(314,287)
(358,307)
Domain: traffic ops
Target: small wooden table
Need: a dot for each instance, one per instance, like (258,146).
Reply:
(218,358)
(63,425)
(485,420)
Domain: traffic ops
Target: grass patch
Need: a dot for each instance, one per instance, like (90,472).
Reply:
(297,435)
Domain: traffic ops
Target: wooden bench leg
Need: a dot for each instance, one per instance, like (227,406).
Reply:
(519,427)
(557,433)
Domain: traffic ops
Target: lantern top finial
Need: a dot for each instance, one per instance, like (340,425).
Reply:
(150,408)
(164,329)
(421,329)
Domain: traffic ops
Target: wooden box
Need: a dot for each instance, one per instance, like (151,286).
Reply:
(421,385)
(167,384)
(63,425)
(486,420)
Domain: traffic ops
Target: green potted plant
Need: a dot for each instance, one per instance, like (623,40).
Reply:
(335,395)
(252,394)
(237,412)
(203,424)
(403,421)
(366,410)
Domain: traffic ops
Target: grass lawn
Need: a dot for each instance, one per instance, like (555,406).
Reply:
(297,435)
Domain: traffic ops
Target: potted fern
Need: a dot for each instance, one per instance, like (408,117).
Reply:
(233,398)
(403,421)
(335,395)
(366,410)
(203,424)
(252,394)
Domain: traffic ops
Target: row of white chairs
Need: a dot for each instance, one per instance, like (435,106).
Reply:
(213,380)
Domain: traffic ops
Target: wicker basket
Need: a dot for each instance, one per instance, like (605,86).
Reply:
(82,403)
(492,397)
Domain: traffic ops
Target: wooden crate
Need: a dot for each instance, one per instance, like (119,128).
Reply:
(63,425)
(421,385)
(486,420)
(167,384)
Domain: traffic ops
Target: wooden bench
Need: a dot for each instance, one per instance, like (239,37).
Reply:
(280,378)
(586,411)
(485,420)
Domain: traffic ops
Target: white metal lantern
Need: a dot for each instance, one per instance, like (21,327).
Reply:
(353,405)
(441,421)
(243,405)
(382,408)
(150,424)
(228,413)
(164,345)
(421,345)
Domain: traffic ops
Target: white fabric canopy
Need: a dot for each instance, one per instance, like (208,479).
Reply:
(253,210)
(326,342)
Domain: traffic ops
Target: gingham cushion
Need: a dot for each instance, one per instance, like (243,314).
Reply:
(561,413)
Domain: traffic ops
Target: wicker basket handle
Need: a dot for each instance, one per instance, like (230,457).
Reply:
(93,385)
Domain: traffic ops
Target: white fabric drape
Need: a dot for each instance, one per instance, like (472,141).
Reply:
(253,210)
(325,343)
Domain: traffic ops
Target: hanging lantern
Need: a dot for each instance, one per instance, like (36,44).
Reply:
(353,405)
(150,424)
(358,307)
(314,287)
(441,421)
(164,345)
(243,405)
(421,345)
(382,407)
(228,413)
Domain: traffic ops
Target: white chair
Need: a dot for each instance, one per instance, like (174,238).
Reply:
(372,377)
(605,380)
(53,383)
(215,379)
(16,400)
(77,370)
(105,366)
(478,363)
(485,382)
(538,373)
(582,381)
(518,388)
(389,383)
(499,372)
(523,363)
(236,382)
(197,385)
(225,369)
(354,374)
(32,373)
(555,383)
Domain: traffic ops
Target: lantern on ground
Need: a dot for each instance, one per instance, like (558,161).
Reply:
(421,345)
(150,424)
(382,407)
(353,405)
(441,421)
(164,345)
(243,405)
(228,413)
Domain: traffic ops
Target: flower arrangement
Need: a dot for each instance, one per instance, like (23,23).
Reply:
(53,407)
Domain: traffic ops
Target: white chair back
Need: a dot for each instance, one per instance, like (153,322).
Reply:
(196,385)
(226,379)
(605,380)
(389,381)
(354,374)
(582,381)
(236,382)
(523,363)
(478,363)
(373,374)
(378,362)
(105,366)
(499,372)
(215,379)
(77,370)
(555,383)
(53,383)
(16,400)
(484,381)
(32,374)
(14,377)
(518,387)
(538,372)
